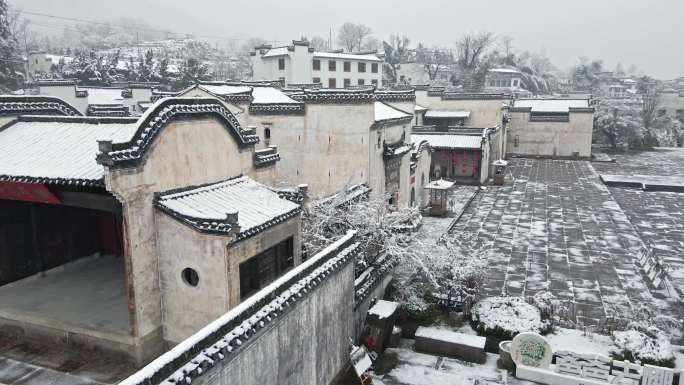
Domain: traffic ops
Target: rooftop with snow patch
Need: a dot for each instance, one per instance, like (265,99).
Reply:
(58,150)
(447,140)
(239,205)
(384,113)
(551,105)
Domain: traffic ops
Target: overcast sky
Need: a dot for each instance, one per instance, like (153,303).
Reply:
(645,33)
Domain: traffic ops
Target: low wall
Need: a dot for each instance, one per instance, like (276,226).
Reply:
(297,330)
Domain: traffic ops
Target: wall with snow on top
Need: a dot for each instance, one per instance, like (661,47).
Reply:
(306,345)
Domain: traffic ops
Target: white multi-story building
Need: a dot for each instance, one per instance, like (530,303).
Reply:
(298,63)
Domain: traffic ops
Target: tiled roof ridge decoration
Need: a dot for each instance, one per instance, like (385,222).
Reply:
(277,109)
(78,119)
(226,336)
(54,181)
(473,96)
(365,287)
(104,110)
(52,82)
(396,149)
(266,156)
(336,96)
(22,105)
(395,95)
(296,196)
(418,151)
(132,153)
(223,226)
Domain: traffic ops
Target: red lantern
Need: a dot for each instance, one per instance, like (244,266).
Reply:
(475,161)
(464,166)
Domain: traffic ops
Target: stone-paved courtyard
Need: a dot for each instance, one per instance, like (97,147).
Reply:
(554,226)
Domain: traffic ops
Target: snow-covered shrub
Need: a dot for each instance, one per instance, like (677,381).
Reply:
(505,317)
(650,346)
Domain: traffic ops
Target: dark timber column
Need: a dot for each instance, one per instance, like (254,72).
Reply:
(34,239)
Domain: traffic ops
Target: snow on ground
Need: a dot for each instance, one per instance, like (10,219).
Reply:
(579,342)
(554,226)
(424,369)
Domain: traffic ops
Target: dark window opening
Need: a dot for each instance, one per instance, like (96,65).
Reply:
(267,136)
(374,82)
(347,66)
(316,80)
(374,68)
(316,65)
(332,65)
(361,82)
(362,67)
(332,83)
(281,64)
(264,268)
(347,83)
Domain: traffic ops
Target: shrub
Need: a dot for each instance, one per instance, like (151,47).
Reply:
(505,317)
(650,346)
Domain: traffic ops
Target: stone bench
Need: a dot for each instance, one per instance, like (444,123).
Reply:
(442,342)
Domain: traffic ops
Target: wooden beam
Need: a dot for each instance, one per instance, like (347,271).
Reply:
(102,202)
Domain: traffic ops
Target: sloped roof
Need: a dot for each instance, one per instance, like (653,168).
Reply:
(35,105)
(346,56)
(212,208)
(278,51)
(551,105)
(447,114)
(448,140)
(260,95)
(58,151)
(385,112)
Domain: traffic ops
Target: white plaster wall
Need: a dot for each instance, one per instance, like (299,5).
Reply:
(187,152)
(551,138)
(483,112)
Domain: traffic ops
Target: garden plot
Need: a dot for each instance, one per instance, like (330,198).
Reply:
(554,226)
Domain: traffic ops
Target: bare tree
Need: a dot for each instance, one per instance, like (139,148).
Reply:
(319,44)
(433,59)
(351,36)
(471,48)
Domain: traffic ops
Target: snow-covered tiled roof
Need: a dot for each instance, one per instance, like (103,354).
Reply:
(54,150)
(346,56)
(419,108)
(504,70)
(386,112)
(104,96)
(449,114)
(212,208)
(270,95)
(551,105)
(278,51)
(448,140)
(260,95)
(440,184)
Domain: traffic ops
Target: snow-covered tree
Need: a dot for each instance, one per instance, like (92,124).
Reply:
(617,122)
(396,52)
(11,64)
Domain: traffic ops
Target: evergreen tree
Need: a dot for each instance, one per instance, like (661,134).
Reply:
(10,59)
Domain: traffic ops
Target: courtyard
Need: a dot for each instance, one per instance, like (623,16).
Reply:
(555,226)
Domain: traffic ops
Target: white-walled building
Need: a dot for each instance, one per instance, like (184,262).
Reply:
(120,99)
(505,80)
(551,128)
(328,139)
(298,63)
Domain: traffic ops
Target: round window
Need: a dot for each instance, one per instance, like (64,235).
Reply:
(190,276)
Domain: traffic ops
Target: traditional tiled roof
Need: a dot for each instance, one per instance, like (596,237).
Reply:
(58,150)
(131,153)
(263,99)
(266,156)
(551,105)
(448,140)
(336,96)
(393,96)
(239,205)
(389,115)
(396,150)
(35,105)
(447,114)
(117,110)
